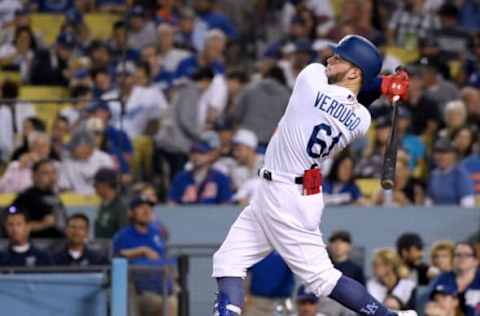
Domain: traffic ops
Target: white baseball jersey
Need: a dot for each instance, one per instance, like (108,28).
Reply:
(320,120)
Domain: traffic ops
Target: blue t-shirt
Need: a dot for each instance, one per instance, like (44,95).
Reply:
(449,187)
(271,278)
(341,193)
(415,149)
(472,165)
(118,144)
(214,189)
(188,66)
(128,238)
(469,299)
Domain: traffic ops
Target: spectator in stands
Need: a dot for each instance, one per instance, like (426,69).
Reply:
(437,87)
(271,283)
(142,31)
(469,15)
(21,252)
(41,203)
(261,105)
(118,44)
(18,56)
(12,117)
(411,143)
(410,250)
(307,303)
(202,184)
(455,117)
(211,55)
(409,24)
(443,302)
(49,66)
(464,279)
(449,183)
(102,81)
(472,64)
(110,139)
(391,276)
(30,125)
(464,140)
(112,214)
(441,258)
(370,166)
(298,55)
(406,191)
(8,12)
(181,128)
(76,112)
(209,19)
(100,56)
(237,80)
(169,56)
(77,171)
(76,252)
(141,243)
(18,175)
(340,247)
(472,165)
(339,187)
(58,137)
(471,98)
(184,37)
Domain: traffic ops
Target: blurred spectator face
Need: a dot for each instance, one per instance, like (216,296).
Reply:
(351,9)
(77,231)
(22,20)
(463,140)
(412,255)
(17,229)
(381,268)
(141,77)
(471,98)
(242,153)
(444,159)
(381,134)
(403,124)
(234,86)
(23,41)
(103,115)
(64,52)
(60,129)
(298,28)
(100,56)
(142,215)
(201,160)
(83,151)
(415,89)
(102,81)
(214,47)
(136,23)
(345,170)
(447,302)
(402,173)
(392,303)
(166,36)
(434,309)
(83,100)
(455,118)
(225,137)
(45,177)
(442,259)
(339,248)
(464,259)
(40,145)
(120,35)
(307,308)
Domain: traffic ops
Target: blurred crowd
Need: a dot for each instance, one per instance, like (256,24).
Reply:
(178,105)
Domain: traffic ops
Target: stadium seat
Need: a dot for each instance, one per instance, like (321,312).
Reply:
(68,198)
(100,25)
(369,186)
(46,111)
(10,75)
(47,25)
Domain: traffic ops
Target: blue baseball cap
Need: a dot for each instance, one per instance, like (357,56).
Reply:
(201,147)
(444,289)
(139,200)
(304,296)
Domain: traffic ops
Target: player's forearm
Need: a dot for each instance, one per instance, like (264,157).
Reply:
(133,253)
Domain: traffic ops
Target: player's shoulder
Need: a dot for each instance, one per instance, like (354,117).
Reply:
(313,68)
(314,72)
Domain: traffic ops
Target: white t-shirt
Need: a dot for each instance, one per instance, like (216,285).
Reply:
(7,10)
(174,56)
(403,290)
(143,105)
(215,97)
(77,175)
(320,120)
(7,136)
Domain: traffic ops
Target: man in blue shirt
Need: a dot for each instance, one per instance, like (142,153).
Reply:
(21,252)
(449,183)
(271,283)
(202,184)
(410,142)
(141,243)
(472,165)
(464,279)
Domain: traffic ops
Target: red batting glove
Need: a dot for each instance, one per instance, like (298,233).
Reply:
(396,85)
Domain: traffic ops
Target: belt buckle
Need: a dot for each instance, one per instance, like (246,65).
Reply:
(267,175)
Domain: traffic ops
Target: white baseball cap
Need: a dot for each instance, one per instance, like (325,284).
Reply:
(246,137)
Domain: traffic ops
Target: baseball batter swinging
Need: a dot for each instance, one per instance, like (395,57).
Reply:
(323,116)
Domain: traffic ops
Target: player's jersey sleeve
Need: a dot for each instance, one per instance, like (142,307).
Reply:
(314,72)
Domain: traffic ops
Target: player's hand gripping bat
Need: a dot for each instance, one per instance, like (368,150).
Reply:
(395,87)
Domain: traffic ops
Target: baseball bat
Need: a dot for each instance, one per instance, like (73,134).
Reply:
(390,158)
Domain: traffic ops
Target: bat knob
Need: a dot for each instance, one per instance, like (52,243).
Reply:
(387,184)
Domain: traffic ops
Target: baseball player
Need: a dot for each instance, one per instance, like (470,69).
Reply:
(323,116)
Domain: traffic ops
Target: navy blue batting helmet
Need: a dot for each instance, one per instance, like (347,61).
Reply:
(362,53)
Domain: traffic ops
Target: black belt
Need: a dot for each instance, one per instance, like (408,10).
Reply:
(267,175)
